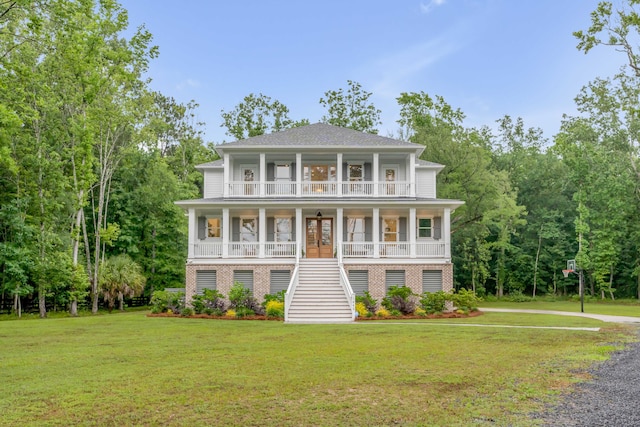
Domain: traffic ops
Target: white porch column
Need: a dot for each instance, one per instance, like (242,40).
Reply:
(299,233)
(299,175)
(193,233)
(375,174)
(262,231)
(375,230)
(263,173)
(339,230)
(446,232)
(227,175)
(412,232)
(412,174)
(339,176)
(226,229)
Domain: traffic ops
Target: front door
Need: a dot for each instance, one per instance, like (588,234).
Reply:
(319,238)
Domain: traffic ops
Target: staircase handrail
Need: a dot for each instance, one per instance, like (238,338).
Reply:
(293,284)
(346,285)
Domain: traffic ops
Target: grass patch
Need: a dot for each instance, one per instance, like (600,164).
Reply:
(127,369)
(610,308)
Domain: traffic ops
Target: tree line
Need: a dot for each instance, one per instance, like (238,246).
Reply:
(91,161)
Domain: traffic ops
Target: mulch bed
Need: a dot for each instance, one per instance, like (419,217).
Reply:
(451,315)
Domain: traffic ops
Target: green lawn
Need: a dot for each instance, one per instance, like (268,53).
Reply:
(128,369)
(626,309)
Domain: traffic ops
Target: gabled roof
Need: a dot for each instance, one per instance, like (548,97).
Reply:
(320,135)
(214,164)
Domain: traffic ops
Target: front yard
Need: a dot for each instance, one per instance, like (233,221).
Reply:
(129,369)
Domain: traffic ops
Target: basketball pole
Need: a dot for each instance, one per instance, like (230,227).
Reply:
(581,286)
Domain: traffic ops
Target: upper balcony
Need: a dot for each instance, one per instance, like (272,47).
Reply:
(320,189)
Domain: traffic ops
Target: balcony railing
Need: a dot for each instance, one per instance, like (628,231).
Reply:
(320,189)
(434,249)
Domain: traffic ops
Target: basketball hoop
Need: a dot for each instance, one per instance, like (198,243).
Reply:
(566,273)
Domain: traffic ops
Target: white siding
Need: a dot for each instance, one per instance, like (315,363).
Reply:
(213,185)
(425,183)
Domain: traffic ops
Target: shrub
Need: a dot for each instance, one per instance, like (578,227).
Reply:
(369,302)
(465,300)
(210,301)
(383,312)
(420,312)
(434,302)
(186,312)
(230,313)
(241,297)
(517,296)
(275,309)
(361,309)
(244,311)
(163,301)
(278,297)
(400,298)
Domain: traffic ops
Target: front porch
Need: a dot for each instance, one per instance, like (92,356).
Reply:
(366,233)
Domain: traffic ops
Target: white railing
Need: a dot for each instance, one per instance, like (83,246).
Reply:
(346,286)
(244,249)
(293,284)
(395,188)
(429,249)
(280,188)
(357,188)
(395,249)
(208,250)
(357,249)
(319,188)
(280,249)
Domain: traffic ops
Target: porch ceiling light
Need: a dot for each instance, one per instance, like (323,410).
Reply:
(319,215)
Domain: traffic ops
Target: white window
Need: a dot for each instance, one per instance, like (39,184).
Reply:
(355,172)
(355,229)
(424,228)
(249,229)
(282,229)
(214,228)
(282,172)
(390,229)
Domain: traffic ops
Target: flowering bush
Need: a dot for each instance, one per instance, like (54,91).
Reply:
(420,312)
(383,312)
(275,308)
(230,313)
(361,309)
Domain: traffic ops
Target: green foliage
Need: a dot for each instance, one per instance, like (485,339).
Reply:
(517,296)
(434,302)
(120,277)
(210,302)
(163,301)
(465,300)
(351,109)
(275,308)
(400,299)
(278,297)
(369,302)
(186,312)
(242,298)
(244,312)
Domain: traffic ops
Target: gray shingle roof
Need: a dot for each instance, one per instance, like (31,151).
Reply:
(318,135)
(217,163)
(420,162)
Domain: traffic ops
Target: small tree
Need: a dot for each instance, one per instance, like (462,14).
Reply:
(120,276)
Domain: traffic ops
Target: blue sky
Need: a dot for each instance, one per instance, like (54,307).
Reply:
(487,57)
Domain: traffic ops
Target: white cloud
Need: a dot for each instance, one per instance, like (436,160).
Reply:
(426,8)
(189,83)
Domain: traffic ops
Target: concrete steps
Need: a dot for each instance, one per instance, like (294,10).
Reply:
(319,297)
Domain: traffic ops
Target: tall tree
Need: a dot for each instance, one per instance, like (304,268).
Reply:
(351,109)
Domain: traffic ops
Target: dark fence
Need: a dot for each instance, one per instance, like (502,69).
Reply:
(30,305)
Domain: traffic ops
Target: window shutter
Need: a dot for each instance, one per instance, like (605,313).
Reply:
(271,176)
(202,227)
(279,281)
(235,229)
(293,229)
(345,232)
(402,229)
(437,228)
(293,171)
(271,229)
(205,279)
(359,280)
(431,280)
(394,278)
(368,229)
(345,172)
(367,171)
(245,277)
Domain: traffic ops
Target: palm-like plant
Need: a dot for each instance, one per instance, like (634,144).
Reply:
(120,276)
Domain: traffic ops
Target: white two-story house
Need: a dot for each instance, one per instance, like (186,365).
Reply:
(323,212)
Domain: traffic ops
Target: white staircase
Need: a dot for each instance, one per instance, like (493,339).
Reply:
(319,297)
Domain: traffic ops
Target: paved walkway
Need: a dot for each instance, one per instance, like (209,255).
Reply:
(603,317)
